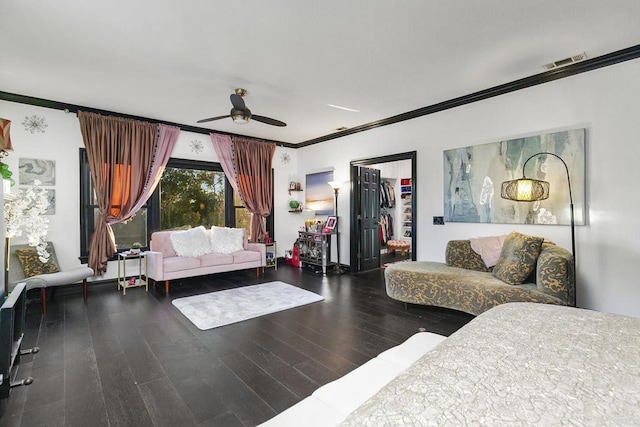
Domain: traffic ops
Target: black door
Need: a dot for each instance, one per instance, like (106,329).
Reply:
(369,189)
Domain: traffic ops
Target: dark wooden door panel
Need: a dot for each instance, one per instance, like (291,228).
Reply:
(369,218)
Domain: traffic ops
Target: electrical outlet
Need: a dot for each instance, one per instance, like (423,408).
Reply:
(438,220)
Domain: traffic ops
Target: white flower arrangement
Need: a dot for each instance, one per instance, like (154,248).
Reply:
(25,211)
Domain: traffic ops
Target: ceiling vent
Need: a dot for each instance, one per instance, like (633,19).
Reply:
(564,62)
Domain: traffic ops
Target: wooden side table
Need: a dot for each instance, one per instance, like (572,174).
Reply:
(271,256)
(132,282)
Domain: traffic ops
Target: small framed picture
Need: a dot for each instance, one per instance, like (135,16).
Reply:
(332,221)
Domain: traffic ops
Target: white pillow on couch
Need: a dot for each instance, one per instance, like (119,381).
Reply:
(191,243)
(225,240)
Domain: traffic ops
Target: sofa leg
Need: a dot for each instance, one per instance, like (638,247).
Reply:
(406,306)
(43,297)
(84,289)
(166,287)
(257,271)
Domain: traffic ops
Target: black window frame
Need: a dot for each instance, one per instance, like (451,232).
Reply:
(153,204)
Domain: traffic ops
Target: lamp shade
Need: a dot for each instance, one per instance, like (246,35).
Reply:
(525,190)
(5,137)
(335,184)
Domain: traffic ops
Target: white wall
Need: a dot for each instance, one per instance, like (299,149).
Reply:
(605,101)
(60,142)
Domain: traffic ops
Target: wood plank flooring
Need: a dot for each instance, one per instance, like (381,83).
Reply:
(135,360)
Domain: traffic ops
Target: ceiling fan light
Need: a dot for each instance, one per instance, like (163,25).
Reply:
(239,116)
(241,119)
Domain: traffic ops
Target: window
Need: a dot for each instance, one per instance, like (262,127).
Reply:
(241,214)
(190,193)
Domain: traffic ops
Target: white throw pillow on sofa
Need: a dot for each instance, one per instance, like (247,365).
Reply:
(191,243)
(225,240)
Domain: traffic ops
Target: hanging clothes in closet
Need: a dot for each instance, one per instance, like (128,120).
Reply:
(387,195)
(386,228)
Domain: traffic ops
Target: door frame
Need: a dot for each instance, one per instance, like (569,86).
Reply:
(354,164)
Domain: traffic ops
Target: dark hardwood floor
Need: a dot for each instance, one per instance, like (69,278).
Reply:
(135,360)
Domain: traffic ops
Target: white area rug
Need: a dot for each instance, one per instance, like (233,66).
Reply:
(235,305)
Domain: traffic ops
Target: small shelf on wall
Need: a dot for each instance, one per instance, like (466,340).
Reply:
(294,186)
(406,190)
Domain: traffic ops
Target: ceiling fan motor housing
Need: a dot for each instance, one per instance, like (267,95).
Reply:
(240,116)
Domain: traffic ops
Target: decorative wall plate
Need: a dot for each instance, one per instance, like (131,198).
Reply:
(34,124)
(196,146)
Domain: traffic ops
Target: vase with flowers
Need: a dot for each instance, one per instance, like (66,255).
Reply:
(24,212)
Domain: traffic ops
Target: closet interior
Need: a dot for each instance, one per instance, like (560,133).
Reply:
(396,216)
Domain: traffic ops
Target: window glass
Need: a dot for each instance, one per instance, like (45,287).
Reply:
(242,215)
(190,193)
(191,197)
(132,231)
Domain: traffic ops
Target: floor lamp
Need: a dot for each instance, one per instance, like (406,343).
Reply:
(531,190)
(336,189)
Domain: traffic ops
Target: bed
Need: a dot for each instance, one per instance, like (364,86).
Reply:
(516,364)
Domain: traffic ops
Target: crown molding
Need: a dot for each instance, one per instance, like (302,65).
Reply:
(538,79)
(609,59)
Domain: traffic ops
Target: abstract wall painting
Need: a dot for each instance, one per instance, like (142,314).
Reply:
(30,170)
(318,193)
(51,197)
(473,177)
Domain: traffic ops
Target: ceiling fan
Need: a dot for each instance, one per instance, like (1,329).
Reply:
(241,114)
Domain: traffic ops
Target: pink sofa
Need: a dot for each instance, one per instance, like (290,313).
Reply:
(165,265)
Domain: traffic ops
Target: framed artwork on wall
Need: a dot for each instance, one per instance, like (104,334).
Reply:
(318,193)
(51,197)
(30,170)
(473,177)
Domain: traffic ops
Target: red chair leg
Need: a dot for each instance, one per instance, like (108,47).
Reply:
(43,297)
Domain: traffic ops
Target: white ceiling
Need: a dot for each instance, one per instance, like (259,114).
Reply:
(180,61)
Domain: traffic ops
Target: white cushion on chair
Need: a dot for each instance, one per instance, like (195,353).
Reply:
(61,278)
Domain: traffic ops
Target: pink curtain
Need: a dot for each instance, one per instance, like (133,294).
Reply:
(121,154)
(252,160)
(224,149)
(167,137)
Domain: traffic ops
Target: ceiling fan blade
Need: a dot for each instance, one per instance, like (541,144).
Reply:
(237,102)
(267,120)
(210,119)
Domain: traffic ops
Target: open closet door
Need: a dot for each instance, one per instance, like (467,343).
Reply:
(369,218)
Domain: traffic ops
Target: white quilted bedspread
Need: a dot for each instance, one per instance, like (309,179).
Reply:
(520,364)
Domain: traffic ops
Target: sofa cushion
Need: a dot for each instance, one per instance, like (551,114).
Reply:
(518,258)
(191,243)
(211,260)
(161,242)
(179,263)
(225,240)
(245,256)
(459,253)
(31,264)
